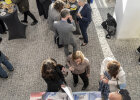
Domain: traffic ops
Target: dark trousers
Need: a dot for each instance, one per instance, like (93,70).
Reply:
(84,78)
(2,27)
(84,32)
(28,13)
(66,49)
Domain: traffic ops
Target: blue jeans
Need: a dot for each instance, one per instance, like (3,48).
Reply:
(5,62)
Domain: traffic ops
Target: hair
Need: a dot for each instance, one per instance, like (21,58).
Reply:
(77,55)
(58,5)
(113,68)
(64,13)
(48,69)
(82,1)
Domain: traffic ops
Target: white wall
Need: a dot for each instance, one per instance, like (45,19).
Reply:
(127,14)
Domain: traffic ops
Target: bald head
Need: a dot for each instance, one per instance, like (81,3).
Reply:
(114,96)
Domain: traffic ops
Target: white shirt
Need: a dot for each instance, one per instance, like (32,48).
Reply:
(80,9)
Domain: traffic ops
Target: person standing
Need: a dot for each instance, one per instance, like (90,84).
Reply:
(52,76)
(23,6)
(54,13)
(79,66)
(64,30)
(4,60)
(84,19)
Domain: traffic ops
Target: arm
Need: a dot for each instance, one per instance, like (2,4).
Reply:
(120,81)
(88,18)
(72,27)
(68,61)
(16,1)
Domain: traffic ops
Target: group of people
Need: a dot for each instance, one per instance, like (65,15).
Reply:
(112,75)
(64,19)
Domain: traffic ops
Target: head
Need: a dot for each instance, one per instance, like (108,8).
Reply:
(58,5)
(78,57)
(115,96)
(65,14)
(82,2)
(48,68)
(113,68)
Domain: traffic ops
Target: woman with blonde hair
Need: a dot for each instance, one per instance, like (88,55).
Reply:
(52,76)
(79,66)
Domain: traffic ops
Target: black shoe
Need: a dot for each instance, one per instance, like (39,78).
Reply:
(70,53)
(34,23)
(4,77)
(74,84)
(81,38)
(84,87)
(24,21)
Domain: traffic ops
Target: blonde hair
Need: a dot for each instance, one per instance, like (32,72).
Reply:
(77,55)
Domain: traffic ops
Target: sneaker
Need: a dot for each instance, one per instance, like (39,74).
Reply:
(4,77)
(34,23)
(24,21)
(11,69)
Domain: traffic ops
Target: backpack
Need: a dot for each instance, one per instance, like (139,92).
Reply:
(125,94)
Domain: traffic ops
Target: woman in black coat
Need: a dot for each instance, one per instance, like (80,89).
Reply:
(52,76)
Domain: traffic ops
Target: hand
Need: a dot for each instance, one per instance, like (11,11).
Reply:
(101,77)
(88,75)
(105,81)
(70,17)
(63,85)
(79,15)
(71,68)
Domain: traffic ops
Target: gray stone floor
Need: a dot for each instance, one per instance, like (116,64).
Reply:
(26,56)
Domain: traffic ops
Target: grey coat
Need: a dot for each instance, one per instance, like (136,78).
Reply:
(65,31)
(53,15)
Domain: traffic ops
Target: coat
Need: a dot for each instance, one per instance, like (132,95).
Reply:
(23,5)
(54,85)
(113,81)
(44,7)
(53,15)
(86,16)
(64,30)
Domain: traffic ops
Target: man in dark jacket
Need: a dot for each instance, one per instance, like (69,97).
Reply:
(23,6)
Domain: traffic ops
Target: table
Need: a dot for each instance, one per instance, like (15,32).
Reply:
(89,95)
(15,27)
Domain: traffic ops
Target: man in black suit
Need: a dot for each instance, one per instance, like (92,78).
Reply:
(84,19)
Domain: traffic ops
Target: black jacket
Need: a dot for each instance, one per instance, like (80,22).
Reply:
(54,85)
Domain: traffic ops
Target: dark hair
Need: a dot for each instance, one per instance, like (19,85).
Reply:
(58,5)
(48,70)
(64,13)
(113,68)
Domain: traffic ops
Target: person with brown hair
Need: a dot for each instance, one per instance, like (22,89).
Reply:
(116,73)
(52,76)
(79,66)
(54,12)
